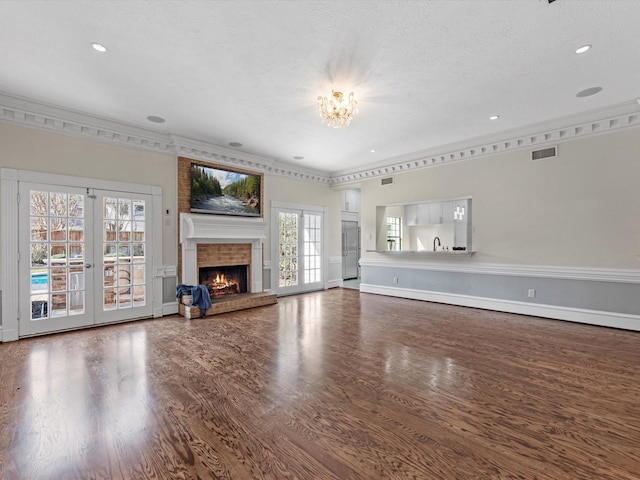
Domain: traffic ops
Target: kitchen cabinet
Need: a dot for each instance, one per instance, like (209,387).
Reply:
(432,213)
(429,213)
(351,201)
(411,215)
(462,224)
(448,220)
(448,207)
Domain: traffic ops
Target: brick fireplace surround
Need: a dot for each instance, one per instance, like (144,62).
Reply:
(214,240)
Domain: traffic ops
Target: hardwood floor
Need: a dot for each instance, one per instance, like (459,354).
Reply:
(327,385)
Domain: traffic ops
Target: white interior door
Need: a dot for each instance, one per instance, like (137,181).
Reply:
(84,258)
(299,251)
(122,266)
(55,241)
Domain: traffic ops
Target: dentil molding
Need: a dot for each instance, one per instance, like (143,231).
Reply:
(26,112)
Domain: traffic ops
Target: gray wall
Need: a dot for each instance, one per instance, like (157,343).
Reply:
(579,294)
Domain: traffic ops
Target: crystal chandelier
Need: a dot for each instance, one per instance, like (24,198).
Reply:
(336,111)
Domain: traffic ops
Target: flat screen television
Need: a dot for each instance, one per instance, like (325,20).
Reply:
(223,191)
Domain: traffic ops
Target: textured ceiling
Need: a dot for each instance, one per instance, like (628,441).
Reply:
(426,73)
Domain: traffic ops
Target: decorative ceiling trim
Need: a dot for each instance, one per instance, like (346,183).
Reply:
(197,149)
(475,149)
(29,113)
(74,124)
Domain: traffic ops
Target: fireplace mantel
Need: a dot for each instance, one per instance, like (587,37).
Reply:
(201,228)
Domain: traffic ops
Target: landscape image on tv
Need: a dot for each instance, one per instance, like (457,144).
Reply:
(224,192)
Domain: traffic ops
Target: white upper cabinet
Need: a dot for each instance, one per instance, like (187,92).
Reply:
(411,215)
(448,208)
(351,201)
(436,213)
(460,211)
(430,213)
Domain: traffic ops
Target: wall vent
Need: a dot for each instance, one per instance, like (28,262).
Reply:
(386,181)
(544,153)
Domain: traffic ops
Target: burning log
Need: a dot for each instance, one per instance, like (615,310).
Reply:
(220,285)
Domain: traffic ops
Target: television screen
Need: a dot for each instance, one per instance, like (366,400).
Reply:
(225,192)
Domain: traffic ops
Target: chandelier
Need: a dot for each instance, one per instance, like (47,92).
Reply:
(336,111)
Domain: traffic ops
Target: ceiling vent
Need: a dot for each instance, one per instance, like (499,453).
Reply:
(386,181)
(544,153)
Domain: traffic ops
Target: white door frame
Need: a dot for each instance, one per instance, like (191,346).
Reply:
(9,180)
(276,206)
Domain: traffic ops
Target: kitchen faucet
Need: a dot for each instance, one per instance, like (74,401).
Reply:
(434,243)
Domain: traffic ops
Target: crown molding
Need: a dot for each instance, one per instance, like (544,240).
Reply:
(24,112)
(197,149)
(594,122)
(30,113)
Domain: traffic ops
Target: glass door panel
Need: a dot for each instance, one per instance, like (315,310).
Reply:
(288,248)
(299,251)
(312,261)
(52,278)
(124,270)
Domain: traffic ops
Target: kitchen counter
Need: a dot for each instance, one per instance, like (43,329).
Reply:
(450,253)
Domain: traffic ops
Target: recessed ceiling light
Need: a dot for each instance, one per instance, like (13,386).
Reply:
(494,117)
(584,48)
(155,119)
(588,92)
(235,144)
(373,150)
(298,157)
(98,47)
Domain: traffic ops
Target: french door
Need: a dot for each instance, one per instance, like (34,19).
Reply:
(83,257)
(299,250)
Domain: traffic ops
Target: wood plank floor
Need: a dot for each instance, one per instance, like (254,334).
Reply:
(328,385)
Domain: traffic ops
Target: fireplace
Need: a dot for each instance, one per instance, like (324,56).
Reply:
(224,280)
(217,240)
(232,249)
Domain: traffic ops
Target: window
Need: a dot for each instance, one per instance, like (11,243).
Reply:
(394,233)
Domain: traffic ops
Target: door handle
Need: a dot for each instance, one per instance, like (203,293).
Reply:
(88,265)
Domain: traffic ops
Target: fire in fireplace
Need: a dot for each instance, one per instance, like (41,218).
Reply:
(228,280)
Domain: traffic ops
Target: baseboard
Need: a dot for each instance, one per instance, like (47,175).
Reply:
(592,317)
(169,308)
(8,335)
(334,270)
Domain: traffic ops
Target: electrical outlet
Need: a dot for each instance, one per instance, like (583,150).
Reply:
(395,279)
(532,293)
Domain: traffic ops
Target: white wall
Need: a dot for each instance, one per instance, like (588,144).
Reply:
(581,209)
(31,149)
(292,191)
(35,150)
